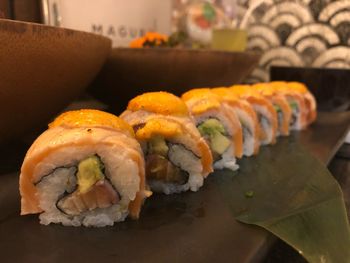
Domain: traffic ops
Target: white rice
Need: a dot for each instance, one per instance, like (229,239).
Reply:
(227,161)
(184,159)
(248,143)
(195,181)
(265,124)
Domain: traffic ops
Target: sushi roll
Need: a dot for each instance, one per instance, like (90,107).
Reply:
(267,115)
(247,117)
(86,169)
(219,126)
(281,105)
(296,102)
(309,99)
(177,157)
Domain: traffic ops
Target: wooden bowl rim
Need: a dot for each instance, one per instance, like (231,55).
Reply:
(255,54)
(49,27)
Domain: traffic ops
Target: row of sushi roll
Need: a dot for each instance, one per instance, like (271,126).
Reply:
(93,168)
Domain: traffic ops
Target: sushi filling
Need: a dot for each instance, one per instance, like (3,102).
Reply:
(295,113)
(162,164)
(279,115)
(86,189)
(215,134)
(247,133)
(138,126)
(160,168)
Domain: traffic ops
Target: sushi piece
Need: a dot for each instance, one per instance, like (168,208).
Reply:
(177,157)
(219,126)
(267,115)
(296,102)
(86,169)
(247,117)
(281,105)
(309,99)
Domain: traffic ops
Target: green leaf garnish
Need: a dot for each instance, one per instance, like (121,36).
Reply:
(299,200)
(249,194)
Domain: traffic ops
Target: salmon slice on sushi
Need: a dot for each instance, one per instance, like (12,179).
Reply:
(219,126)
(310,101)
(247,118)
(177,157)
(266,113)
(86,169)
(296,103)
(280,103)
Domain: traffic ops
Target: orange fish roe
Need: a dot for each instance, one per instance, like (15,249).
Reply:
(205,100)
(205,105)
(196,93)
(159,102)
(225,94)
(245,91)
(163,127)
(265,89)
(297,86)
(279,85)
(91,118)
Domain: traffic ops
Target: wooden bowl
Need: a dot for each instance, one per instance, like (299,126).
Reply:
(42,68)
(130,72)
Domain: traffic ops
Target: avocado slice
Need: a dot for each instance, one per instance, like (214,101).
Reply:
(214,131)
(277,108)
(157,145)
(90,171)
(219,143)
(293,105)
(210,127)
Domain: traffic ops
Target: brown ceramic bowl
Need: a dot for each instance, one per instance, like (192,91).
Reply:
(42,68)
(129,72)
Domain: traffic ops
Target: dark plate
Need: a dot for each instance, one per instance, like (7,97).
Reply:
(196,227)
(129,72)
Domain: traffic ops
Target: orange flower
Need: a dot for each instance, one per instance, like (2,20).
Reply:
(149,39)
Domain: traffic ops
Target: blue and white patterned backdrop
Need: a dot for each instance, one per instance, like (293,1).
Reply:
(310,33)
